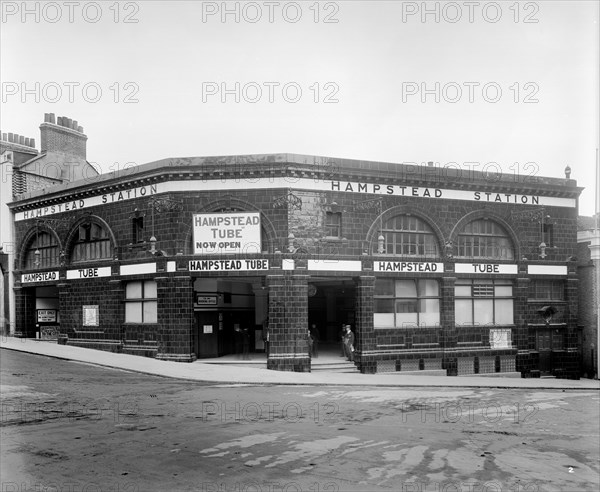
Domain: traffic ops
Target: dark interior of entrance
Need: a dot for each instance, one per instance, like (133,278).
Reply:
(331,303)
(228,316)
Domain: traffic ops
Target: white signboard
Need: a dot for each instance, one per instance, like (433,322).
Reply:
(228,265)
(95,272)
(407,266)
(46,315)
(28,278)
(216,234)
(547,269)
(486,268)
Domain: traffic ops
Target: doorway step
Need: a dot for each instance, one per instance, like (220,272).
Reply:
(328,364)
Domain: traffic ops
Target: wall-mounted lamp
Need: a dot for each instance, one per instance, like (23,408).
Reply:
(547,312)
(291,239)
(153,245)
(380,242)
(543,250)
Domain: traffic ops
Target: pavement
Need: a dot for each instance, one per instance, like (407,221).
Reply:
(254,372)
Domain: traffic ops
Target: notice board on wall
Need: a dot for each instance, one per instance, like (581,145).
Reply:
(91,315)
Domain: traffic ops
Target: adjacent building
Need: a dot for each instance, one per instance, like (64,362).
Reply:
(588,253)
(23,169)
(435,268)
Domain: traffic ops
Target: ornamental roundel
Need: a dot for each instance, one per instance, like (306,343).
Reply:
(312,290)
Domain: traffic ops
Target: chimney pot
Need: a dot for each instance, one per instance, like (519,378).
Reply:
(59,121)
(52,120)
(46,117)
(430,163)
(80,129)
(32,143)
(10,137)
(21,140)
(74,125)
(4,137)
(68,123)
(27,142)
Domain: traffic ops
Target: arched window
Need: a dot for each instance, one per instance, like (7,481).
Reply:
(485,238)
(42,252)
(407,235)
(93,243)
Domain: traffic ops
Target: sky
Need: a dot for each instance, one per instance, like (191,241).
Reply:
(507,86)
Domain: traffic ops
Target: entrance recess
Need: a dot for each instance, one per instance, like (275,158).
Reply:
(331,303)
(548,342)
(228,316)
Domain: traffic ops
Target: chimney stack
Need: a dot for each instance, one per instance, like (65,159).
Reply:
(65,136)
(16,139)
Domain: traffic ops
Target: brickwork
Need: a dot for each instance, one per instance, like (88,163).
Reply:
(365,337)
(56,138)
(175,318)
(589,295)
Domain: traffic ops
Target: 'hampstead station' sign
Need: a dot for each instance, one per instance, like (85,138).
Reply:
(226,233)
(70,204)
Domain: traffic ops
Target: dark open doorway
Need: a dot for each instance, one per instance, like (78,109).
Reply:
(331,304)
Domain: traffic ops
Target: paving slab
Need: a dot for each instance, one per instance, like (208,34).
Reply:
(232,374)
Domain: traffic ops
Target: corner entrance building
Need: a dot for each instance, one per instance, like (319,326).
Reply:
(180,259)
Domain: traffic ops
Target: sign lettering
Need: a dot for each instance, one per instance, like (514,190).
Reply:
(228,265)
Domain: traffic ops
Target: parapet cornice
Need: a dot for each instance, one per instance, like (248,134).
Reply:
(295,167)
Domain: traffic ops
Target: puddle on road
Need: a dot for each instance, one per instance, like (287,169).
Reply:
(245,442)
(18,391)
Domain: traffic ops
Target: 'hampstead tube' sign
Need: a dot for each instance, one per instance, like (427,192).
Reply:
(216,234)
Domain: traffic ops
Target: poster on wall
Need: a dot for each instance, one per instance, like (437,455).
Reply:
(227,233)
(91,315)
(49,332)
(46,315)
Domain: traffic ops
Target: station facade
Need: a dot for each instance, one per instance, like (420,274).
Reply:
(433,268)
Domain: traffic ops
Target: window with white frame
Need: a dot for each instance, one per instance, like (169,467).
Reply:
(141,302)
(483,302)
(406,303)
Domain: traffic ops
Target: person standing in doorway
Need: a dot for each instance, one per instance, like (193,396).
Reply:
(342,336)
(314,332)
(246,343)
(265,335)
(349,343)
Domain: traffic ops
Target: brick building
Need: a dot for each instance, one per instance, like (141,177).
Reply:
(62,159)
(588,254)
(434,268)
